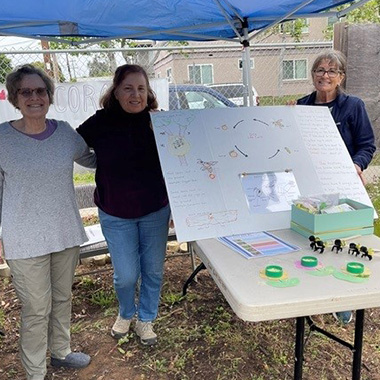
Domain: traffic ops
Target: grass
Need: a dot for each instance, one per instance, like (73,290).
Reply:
(373,190)
(90,220)
(84,178)
(278,100)
(103,298)
(376,160)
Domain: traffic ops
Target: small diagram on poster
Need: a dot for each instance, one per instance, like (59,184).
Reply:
(257,244)
(269,191)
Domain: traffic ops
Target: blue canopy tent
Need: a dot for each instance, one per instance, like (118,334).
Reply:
(201,20)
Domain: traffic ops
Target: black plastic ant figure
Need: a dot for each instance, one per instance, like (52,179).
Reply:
(366,252)
(316,244)
(353,249)
(319,245)
(337,245)
(313,241)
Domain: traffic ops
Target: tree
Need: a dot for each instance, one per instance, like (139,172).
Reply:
(105,62)
(294,28)
(40,65)
(99,68)
(101,56)
(5,67)
(367,13)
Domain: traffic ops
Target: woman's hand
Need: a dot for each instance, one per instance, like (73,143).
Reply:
(360,173)
(292,102)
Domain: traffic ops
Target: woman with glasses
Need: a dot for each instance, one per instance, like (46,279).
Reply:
(349,113)
(40,222)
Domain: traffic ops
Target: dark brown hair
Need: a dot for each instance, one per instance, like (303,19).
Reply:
(109,100)
(14,79)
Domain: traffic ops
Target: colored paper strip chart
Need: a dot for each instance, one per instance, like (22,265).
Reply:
(258,244)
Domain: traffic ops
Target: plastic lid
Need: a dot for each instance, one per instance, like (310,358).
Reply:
(355,268)
(274,271)
(309,261)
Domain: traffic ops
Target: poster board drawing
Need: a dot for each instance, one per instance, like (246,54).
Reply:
(267,192)
(204,152)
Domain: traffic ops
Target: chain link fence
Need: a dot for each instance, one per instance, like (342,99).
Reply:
(280,71)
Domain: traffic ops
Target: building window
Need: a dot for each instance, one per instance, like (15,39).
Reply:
(291,27)
(251,61)
(201,74)
(294,69)
(169,75)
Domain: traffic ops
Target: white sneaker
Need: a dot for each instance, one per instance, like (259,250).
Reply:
(121,327)
(145,331)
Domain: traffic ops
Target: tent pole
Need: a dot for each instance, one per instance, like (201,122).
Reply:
(246,59)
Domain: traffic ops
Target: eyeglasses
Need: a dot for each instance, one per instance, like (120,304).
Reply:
(332,73)
(28,92)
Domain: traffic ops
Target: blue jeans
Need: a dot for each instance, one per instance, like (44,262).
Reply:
(137,248)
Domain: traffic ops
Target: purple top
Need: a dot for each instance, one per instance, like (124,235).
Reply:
(51,126)
(129,181)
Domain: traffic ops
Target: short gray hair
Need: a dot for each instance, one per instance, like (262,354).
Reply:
(14,79)
(333,56)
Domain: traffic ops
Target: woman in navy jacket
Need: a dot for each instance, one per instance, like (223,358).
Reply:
(349,113)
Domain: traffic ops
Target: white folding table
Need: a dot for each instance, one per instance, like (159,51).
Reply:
(253,300)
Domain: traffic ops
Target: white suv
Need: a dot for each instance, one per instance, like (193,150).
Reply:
(236,92)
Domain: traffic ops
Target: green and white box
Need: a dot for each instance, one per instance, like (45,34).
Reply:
(337,225)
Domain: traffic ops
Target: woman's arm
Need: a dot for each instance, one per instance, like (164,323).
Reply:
(86,157)
(363,137)
(82,153)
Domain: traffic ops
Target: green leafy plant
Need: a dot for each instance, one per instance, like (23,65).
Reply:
(171,299)
(87,282)
(76,327)
(103,298)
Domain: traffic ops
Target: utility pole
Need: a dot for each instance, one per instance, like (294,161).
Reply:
(47,59)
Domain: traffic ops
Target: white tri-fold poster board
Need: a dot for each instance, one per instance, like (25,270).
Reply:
(235,170)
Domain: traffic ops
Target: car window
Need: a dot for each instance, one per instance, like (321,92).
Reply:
(236,93)
(178,101)
(231,91)
(201,100)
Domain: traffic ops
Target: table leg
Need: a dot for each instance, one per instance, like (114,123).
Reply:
(300,338)
(358,345)
(200,267)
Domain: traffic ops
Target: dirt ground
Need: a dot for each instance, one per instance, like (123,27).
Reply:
(199,337)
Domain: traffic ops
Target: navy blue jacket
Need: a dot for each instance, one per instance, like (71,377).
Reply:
(354,126)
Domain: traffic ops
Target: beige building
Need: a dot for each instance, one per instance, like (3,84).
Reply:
(279,66)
